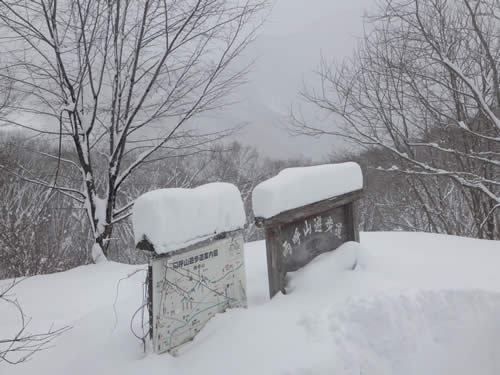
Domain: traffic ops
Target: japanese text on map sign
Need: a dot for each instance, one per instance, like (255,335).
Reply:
(195,259)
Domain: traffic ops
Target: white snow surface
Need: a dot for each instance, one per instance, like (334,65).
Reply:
(414,304)
(296,187)
(172,219)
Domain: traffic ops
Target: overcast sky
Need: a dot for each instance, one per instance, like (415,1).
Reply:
(288,51)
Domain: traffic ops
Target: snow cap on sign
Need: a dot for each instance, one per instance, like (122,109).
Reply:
(171,219)
(297,187)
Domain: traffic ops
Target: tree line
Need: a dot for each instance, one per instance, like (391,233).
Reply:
(421,93)
(104,92)
(44,231)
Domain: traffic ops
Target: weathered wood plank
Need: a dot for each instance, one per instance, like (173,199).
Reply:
(275,269)
(295,237)
(352,221)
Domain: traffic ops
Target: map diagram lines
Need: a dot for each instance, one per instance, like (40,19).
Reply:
(192,287)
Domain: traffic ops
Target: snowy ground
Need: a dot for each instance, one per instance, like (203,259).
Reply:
(415,304)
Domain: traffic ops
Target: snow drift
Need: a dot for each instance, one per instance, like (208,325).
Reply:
(414,304)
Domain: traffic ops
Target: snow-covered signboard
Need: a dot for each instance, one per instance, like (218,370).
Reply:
(192,286)
(306,212)
(197,268)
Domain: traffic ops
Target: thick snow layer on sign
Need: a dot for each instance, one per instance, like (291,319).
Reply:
(414,304)
(296,187)
(172,219)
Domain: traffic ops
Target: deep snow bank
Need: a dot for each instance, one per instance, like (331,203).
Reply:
(414,304)
(430,261)
(424,332)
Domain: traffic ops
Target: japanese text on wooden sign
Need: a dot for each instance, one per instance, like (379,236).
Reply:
(303,240)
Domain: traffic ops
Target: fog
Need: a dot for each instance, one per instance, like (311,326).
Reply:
(287,52)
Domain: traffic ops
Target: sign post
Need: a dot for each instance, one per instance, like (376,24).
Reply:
(191,285)
(296,236)
(193,273)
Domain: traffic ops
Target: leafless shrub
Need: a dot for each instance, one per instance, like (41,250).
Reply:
(23,344)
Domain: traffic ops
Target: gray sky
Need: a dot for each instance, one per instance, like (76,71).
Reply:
(288,51)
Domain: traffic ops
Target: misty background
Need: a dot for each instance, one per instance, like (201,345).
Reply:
(286,55)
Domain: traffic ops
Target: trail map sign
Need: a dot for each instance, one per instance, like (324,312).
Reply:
(192,285)
(295,237)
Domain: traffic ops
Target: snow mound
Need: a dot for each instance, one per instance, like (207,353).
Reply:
(415,303)
(296,187)
(326,266)
(420,332)
(171,219)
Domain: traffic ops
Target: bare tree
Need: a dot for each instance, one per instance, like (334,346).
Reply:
(241,166)
(6,93)
(23,344)
(119,78)
(399,201)
(39,227)
(166,170)
(424,85)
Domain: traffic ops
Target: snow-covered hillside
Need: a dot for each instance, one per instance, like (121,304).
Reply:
(415,304)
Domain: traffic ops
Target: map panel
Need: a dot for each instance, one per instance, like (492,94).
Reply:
(190,288)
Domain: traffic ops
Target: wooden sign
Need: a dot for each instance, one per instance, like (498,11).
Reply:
(190,286)
(295,237)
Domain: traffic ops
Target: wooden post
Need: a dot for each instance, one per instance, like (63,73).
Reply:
(275,264)
(149,286)
(352,221)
